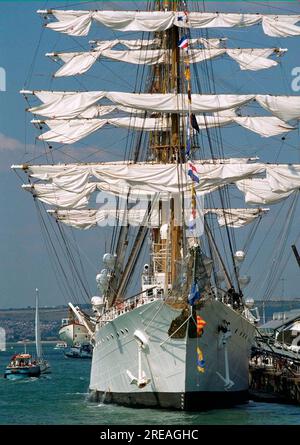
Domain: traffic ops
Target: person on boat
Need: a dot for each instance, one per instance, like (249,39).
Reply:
(233,298)
(120,305)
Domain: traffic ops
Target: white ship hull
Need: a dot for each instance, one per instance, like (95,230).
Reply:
(74,333)
(175,380)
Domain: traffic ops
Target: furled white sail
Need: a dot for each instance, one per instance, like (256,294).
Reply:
(68,132)
(46,172)
(145,43)
(68,186)
(57,105)
(284,107)
(259,191)
(75,63)
(144,177)
(75,198)
(80,62)
(281,26)
(283,178)
(265,126)
(97,111)
(101,110)
(253,59)
(68,105)
(130,44)
(236,217)
(78,23)
(71,131)
(89,218)
(207,43)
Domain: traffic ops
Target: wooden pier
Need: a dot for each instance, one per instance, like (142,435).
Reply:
(274,376)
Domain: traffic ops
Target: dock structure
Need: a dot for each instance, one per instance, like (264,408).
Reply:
(274,375)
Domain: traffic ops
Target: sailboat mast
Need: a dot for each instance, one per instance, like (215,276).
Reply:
(166,149)
(173,38)
(175,234)
(37,327)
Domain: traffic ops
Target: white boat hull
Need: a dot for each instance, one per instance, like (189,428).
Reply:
(171,363)
(74,333)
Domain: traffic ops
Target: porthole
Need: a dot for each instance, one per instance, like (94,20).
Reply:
(111,335)
(122,331)
(126,330)
(107,337)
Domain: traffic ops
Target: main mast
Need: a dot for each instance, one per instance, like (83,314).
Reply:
(167,149)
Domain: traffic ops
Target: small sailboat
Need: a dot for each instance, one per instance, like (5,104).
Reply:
(22,366)
(43,364)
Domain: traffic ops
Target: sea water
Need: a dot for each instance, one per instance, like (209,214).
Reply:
(60,398)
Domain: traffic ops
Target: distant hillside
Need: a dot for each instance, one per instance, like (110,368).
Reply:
(46,314)
(19,323)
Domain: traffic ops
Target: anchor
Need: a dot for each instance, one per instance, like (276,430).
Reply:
(224,336)
(141,381)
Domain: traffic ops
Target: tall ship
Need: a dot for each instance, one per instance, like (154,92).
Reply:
(171,327)
(72,332)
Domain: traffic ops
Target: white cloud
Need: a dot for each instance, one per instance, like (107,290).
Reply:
(9,144)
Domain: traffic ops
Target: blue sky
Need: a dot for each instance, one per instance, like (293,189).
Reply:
(24,263)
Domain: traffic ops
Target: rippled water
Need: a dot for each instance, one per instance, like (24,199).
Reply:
(60,398)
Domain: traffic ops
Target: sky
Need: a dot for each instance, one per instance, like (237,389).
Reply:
(24,262)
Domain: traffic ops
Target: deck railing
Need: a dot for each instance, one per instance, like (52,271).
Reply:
(127,306)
